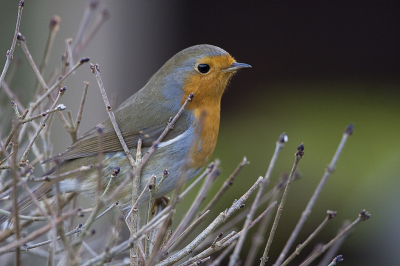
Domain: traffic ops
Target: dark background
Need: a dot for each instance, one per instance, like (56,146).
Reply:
(316,68)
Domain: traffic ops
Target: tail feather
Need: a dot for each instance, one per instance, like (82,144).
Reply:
(24,203)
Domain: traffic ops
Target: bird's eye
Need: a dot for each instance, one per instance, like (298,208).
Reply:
(203,68)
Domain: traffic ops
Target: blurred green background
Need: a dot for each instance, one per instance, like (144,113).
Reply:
(317,67)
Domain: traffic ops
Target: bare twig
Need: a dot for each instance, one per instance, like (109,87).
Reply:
(128,243)
(328,171)
(201,195)
(22,42)
(34,234)
(54,27)
(75,127)
(135,212)
(96,70)
(223,254)
(235,255)
(299,248)
(227,184)
(74,231)
(258,237)
(363,216)
(335,247)
(23,217)
(88,35)
(42,125)
(230,239)
(188,229)
(210,228)
(15,196)
(89,11)
(298,155)
(338,258)
(11,51)
(59,81)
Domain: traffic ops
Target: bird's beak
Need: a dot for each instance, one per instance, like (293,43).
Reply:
(235,67)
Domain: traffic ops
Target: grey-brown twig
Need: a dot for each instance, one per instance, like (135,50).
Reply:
(54,27)
(227,184)
(96,71)
(34,234)
(335,247)
(230,239)
(201,195)
(42,125)
(328,171)
(210,228)
(128,243)
(298,155)
(363,216)
(235,255)
(14,41)
(338,258)
(299,248)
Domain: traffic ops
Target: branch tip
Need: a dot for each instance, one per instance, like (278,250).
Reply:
(283,138)
(364,215)
(331,214)
(300,151)
(54,22)
(349,129)
(85,60)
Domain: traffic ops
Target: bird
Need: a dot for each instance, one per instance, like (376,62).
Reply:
(201,70)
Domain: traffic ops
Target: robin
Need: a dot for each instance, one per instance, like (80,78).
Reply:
(201,70)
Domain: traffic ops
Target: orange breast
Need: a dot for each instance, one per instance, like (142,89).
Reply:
(207,130)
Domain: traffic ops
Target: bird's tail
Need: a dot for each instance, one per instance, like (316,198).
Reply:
(24,203)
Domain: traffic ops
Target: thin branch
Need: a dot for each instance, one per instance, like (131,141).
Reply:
(59,107)
(223,254)
(42,125)
(100,19)
(59,81)
(335,247)
(135,212)
(34,234)
(235,255)
(237,204)
(258,237)
(74,231)
(128,243)
(188,229)
(227,184)
(75,127)
(363,216)
(299,248)
(11,51)
(89,11)
(22,42)
(201,195)
(298,155)
(328,171)
(226,241)
(338,258)
(96,71)
(195,182)
(15,197)
(23,217)
(54,27)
